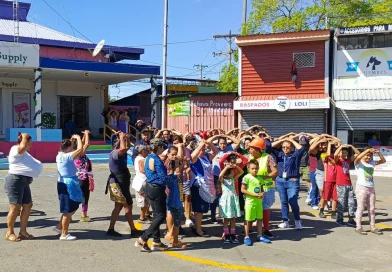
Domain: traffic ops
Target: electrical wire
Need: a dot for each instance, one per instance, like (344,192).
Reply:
(178,42)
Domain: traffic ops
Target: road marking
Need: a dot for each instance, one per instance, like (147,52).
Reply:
(226,266)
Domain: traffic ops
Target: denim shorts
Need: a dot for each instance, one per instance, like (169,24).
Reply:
(17,188)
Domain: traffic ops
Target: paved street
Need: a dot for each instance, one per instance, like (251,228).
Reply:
(320,246)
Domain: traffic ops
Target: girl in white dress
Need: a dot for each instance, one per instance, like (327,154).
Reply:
(139,182)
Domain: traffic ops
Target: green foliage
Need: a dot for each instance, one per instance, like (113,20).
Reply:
(301,15)
(229,80)
(48,120)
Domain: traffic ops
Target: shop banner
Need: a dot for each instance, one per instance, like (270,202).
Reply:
(364,68)
(21,109)
(179,106)
(19,55)
(386,168)
(282,104)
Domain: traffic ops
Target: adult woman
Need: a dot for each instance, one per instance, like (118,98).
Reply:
(123,122)
(157,178)
(119,183)
(68,188)
(203,189)
(112,118)
(287,182)
(85,175)
(366,196)
(22,169)
(222,148)
(374,141)
(267,172)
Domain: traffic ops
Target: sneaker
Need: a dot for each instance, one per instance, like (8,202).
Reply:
(85,219)
(315,207)
(113,233)
(189,223)
(268,234)
(234,239)
(248,241)
(69,237)
(298,225)
(227,240)
(322,215)
(143,246)
(136,233)
(284,225)
(308,200)
(361,231)
(56,230)
(159,247)
(351,223)
(340,222)
(376,231)
(215,222)
(264,240)
(333,215)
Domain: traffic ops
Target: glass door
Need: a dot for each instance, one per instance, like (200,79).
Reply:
(73,112)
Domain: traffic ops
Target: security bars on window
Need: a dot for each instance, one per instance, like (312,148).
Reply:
(305,59)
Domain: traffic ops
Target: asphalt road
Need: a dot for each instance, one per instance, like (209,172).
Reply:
(320,246)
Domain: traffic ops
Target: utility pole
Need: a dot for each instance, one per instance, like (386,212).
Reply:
(228,38)
(245,12)
(165,26)
(200,67)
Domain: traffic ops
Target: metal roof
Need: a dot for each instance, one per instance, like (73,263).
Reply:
(36,31)
(363,94)
(290,96)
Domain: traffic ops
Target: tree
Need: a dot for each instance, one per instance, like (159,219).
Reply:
(229,80)
(112,99)
(300,15)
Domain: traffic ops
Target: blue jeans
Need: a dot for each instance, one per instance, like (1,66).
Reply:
(314,193)
(288,193)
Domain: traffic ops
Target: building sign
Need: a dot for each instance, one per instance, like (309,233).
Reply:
(19,55)
(21,109)
(364,68)
(364,29)
(282,104)
(212,105)
(179,106)
(182,88)
(15,84)
(385,168)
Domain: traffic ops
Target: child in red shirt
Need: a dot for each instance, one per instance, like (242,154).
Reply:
(329,182)
(345,190)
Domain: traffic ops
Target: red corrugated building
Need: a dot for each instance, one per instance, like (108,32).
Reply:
(284,81)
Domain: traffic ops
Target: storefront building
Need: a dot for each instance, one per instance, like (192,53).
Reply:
(48,72)
(362,86)
(284,82)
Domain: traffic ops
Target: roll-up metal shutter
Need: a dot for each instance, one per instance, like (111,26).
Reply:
(364,120)
(280,123)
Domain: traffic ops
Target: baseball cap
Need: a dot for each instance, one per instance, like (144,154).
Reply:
(303,139)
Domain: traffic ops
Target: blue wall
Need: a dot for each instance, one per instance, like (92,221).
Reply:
(47,135)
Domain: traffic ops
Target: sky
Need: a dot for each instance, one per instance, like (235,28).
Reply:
(139,23)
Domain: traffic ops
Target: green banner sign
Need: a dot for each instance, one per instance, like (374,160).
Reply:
(179,106)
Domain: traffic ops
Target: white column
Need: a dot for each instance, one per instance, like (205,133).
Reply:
(38,102)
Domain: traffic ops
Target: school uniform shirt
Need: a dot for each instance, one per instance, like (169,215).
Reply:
(343,172)
(365,173)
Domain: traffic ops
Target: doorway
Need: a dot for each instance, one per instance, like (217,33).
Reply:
(73,109)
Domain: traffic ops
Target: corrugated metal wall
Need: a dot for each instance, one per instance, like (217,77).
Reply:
(280,123)
(212,111)
(364,120)
(207,111)
(266,69)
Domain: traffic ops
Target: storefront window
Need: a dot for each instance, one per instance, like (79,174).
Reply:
(364,138)
(365,41)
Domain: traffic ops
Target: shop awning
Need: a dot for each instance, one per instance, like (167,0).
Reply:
(268,102)
(363,99)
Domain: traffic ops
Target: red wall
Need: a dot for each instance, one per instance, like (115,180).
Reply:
(69,53)
(266,69)
(43,151)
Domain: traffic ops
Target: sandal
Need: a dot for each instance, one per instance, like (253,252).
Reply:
(26,237)
(15,239)
(376,231)
(180,245)
(169,238)
(361,231)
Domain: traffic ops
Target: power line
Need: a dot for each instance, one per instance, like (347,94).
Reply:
(200,67)
(228,38)
(67,21)
(178,42)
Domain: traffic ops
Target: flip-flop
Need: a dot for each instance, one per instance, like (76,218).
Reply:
(8,238)
(24,237)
